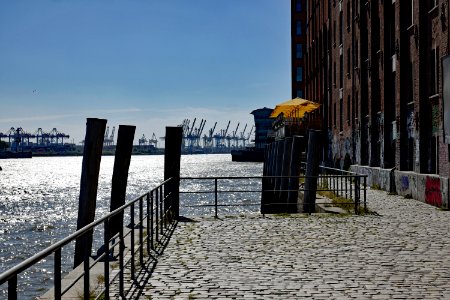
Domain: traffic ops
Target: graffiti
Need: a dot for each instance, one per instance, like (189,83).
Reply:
(433,194)
(404,183)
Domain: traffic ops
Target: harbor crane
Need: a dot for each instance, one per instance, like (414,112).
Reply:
(221,137)
(241,137)
(208,140)
(231,139)
(153,141)
(109,139)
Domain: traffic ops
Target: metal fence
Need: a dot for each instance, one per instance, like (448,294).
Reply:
(152,210)
(344,186)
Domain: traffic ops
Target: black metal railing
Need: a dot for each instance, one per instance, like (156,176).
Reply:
(341,184)
(155,213)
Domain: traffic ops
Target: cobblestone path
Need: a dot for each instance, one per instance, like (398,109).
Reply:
(401,253)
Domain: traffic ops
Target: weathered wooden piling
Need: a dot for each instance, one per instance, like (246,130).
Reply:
(122,159)
(172,158)
(285,171)
(293,183)
(265,182)
(278,169)
(312,170)
(92,153)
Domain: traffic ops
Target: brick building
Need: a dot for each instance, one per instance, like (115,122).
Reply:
(375,66)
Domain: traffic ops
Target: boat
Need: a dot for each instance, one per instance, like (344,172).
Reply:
(10,154)
(250,154)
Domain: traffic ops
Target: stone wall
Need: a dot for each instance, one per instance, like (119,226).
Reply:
(427,188)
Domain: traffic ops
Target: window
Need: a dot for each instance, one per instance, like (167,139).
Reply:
(341,28)
(299,28)
(300,94)
(348,61)
(299,51)
(341,114)
(334,73)
(299,74)
(334,33)
(341,71)
(348,15)
(434,71)
(411,12)
(298,6)
(349,105)
(335,116)
(433,3)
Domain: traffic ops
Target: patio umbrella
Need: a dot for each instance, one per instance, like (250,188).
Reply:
(298,106)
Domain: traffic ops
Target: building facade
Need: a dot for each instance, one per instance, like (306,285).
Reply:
(376,68)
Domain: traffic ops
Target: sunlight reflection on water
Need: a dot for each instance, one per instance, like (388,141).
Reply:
(39,202)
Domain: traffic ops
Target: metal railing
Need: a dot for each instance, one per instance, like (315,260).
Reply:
(341,184)
(155,213)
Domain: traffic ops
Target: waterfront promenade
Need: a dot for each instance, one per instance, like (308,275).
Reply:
(402,252)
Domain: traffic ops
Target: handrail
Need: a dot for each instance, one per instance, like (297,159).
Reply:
(10,275)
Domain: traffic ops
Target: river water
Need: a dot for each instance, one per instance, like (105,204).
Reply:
(39,202)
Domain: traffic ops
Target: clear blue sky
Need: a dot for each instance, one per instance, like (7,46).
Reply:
(149,63)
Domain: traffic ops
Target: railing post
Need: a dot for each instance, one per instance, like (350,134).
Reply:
(141,231)
(157,214)
(86,268)
(132,269)
(121,262)
(149,232)
(152,211)
(215,196)
(365,189)
(57,274)
(357,193)
(12,288)
(106,235)
(162,213)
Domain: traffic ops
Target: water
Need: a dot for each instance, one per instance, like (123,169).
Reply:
(39,202)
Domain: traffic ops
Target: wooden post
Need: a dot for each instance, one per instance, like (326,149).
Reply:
(122,161)
(92,154)
(296,154)
(172,158)
(278,168)
(285,171)
(265,181)
(312,170)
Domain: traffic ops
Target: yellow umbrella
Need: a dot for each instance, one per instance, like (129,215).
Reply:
(299,105)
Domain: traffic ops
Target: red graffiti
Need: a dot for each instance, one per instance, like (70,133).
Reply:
(433,194)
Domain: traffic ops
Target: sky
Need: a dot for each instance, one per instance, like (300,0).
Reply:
(148,63)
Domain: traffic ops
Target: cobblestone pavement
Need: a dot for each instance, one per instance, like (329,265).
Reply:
(401,253)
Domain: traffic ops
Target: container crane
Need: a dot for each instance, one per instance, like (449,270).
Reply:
(232,138)
(208,139)
(221,136)
(241,137)
(153,141)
